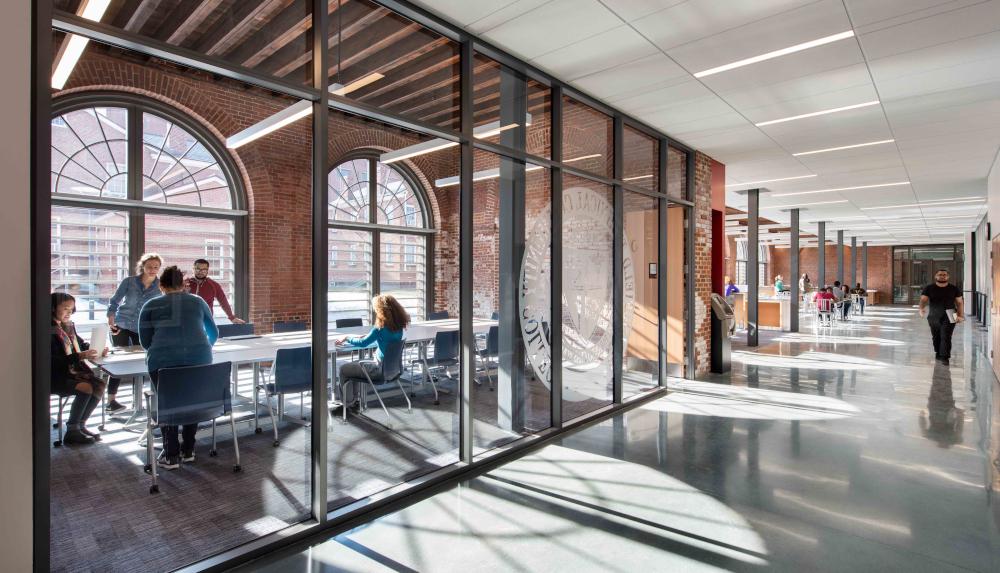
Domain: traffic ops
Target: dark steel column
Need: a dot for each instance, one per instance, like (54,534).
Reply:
(510,381)
(617,271)
(864,265)
(467,367)
(753,265)
(320,263)
(840,256)
(854,261)
(555,298)
(821,254)
(661,265)
(793,263)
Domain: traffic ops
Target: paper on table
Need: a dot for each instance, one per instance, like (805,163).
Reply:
(951,315)
(98,340)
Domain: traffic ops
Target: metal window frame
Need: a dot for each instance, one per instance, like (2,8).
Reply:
(322,519)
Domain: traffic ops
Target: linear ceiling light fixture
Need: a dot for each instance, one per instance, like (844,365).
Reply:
(842,189)
(275,122)
(342,90)
(437,144)
(803,205)
(771,180)
(928,204)
(73,45)
(842,147)
(638,177)
(817,113)
(777,53)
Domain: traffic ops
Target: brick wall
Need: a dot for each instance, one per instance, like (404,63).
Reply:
(702,261)
(879,267)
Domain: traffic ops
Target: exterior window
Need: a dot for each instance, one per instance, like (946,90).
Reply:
(184,177)
(390,199)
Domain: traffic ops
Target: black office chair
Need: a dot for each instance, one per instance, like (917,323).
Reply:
(289,326)
(291,373)
(446,349)
(438,315)
(62,400)
(227,330)
(349,322)
(390,371)
(189,395)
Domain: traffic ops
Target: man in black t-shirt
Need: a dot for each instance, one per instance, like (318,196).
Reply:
(946,310)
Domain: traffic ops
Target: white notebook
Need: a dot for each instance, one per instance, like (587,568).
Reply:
(98,340)
(951,315)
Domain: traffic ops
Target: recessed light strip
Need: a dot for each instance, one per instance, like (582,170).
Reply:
(842,147)
(803,205)
(928,204)
(842,189)
(770,180)
(270,124)
(776,53)
(73,46)
(437,144)
(341,90)
(817,113)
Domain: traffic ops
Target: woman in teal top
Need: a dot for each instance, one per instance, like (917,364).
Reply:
(176,329)
(390,320)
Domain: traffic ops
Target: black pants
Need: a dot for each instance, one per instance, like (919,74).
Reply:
(941,329)
(171,446)
(124,337)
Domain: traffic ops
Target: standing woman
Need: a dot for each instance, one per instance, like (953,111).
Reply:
(71,376)
(176,329)
(123,312)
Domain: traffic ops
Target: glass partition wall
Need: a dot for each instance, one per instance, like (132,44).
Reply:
(536,239)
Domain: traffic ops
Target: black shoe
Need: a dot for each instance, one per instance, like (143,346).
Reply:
(115,406)
(77,437)
(95,435)
(169,462)
(187,457)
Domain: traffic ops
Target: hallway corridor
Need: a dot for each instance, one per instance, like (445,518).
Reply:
(844,450)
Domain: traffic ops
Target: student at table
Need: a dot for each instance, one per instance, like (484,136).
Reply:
(862,295)
(71,376)
(845,295)
(176,329)
(209,290)
(779,284)
(123,312)
(390,320)
(731,288)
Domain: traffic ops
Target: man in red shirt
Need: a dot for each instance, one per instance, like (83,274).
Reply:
(209,290)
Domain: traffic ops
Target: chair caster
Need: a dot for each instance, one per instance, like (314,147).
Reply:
(55,426)
(237,469)
(212,453)
(154,489)
(437,402)
(148,469)
(275,443)
(258,430)
(491,388)
(413,394)
(57,443)
(101,427)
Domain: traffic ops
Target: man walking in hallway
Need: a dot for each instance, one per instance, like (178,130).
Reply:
(946,310)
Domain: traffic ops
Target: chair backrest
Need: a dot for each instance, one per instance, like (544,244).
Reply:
(824,304)
(192,394)
(292,370)
(438,315)
(290,326)
(495,315)
(235,330)
(346,322)
(392,360)
(493,341)
(446,345)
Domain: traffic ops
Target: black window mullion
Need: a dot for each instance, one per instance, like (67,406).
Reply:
(376,275)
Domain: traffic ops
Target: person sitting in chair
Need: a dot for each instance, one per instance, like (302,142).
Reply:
(176,329)
(71,376)
(390,320)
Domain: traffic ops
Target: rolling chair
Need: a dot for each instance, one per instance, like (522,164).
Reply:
(446,348)
(391,370)
(62,400)
(291,373)
(289,326)
(349,322)
(189,395)
(227,330)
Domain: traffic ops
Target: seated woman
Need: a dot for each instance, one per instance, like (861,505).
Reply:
(176,329)
(390,320)
(70,375)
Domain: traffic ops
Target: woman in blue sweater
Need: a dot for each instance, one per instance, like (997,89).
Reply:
(390,320)
(176,329)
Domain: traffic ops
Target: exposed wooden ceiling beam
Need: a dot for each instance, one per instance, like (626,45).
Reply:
(248,18)
(382,64)
(293,20)
(204,11)
(404,80)
(382,44)
(334,40)
(141,15)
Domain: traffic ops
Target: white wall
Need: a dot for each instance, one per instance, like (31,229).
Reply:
(15,349)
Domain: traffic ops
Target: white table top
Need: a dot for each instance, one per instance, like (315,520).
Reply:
(132,362)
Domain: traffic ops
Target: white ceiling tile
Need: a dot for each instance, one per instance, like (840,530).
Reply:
(463,12)
(943,28)
(865,12)
(495,14)
(553,25)
(814,103)
(659,96)
(604,51)
(645,72)
(812,64)
(630,10)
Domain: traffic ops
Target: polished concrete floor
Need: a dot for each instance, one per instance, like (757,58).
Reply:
(843,449)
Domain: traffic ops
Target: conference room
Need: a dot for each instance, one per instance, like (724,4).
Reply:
(537,243)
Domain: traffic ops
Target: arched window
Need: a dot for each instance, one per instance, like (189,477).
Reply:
(379,238)
(129,176)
